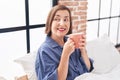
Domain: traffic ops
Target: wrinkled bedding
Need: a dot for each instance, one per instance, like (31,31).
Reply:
(114,74)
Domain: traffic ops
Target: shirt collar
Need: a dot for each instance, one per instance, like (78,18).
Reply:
(52,42)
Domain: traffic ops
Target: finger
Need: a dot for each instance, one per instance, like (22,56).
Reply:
(84,36)
(72,43)
(82,41)
(82,44)
(69,39)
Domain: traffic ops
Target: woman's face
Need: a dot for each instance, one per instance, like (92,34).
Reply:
(61,23)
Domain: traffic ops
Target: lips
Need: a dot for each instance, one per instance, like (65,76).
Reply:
(61,29)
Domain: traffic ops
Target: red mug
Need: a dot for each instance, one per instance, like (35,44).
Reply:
(76,38)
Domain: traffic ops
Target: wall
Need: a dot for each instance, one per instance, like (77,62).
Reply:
(79,13)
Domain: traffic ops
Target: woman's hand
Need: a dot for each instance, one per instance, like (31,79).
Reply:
(82,44)
(69,47)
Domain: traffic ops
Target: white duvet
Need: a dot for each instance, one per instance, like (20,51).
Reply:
(114,74)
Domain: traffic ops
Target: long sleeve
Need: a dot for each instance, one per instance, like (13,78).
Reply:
(48,59)
(45,68)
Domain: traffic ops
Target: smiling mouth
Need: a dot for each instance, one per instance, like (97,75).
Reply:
(61,29)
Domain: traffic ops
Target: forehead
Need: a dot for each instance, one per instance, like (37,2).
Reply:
(62,13)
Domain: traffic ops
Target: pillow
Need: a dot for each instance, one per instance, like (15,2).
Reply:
(104,54)
(2,78)
(28,64)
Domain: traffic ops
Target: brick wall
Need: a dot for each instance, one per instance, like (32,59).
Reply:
(79,13)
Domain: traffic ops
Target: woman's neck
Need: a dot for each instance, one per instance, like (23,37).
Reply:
(59,40)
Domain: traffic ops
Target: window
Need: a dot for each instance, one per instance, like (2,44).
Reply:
(23,15)
(12,13)
(104,17)
(21,26)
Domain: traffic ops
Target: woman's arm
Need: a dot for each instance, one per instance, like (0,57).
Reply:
(68,48)
(86,58)
(63,67)
(84,52)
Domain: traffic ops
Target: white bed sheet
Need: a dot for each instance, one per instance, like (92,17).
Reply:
(9,70)
(114,74)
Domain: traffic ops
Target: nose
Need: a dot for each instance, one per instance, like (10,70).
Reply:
(61,22)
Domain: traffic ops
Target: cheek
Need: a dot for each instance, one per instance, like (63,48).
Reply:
(68,26)
(53,26)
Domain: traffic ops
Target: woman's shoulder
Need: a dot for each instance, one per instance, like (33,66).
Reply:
(43,46)
(43,50)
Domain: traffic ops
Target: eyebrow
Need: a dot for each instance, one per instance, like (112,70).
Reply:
(59,16)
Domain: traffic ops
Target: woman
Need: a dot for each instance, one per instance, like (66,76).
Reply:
(57,58)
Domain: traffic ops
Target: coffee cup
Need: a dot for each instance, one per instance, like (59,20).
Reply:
(76,38)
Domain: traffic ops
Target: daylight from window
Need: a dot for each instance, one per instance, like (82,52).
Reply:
(14,44)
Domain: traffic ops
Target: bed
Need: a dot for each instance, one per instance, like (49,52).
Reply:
(106,61)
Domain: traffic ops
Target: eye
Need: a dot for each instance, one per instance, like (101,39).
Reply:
(56,19)
(65,20)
